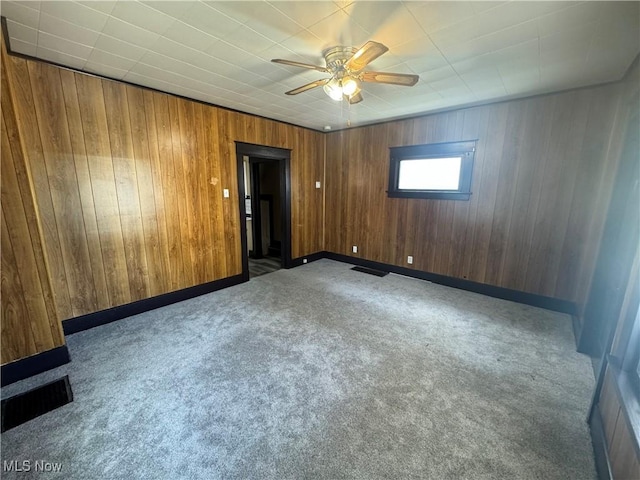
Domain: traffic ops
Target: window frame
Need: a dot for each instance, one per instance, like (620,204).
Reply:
(465,149)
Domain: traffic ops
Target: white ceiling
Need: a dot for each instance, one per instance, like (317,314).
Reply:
(220,52)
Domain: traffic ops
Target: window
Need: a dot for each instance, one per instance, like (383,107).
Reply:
(438,170)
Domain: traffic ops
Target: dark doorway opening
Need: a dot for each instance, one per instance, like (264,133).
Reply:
(265,208)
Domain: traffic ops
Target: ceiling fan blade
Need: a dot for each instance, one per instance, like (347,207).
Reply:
(403,79)
(365,55)
(357,98)
(308,86)
(299,64)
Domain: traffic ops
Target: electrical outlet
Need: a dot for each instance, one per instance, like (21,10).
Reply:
(225,193)
(410,259)
(355,249)
(317,184)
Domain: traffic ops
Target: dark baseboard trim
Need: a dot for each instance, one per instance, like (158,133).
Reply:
(85,322)
(550,303)
(600,450)
(296,262)
(33,365)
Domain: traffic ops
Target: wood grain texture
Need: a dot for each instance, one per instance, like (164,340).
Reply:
(129,185)
(28,318)
(625,462)
(529,224)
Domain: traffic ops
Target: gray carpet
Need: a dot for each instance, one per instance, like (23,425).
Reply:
(320,372)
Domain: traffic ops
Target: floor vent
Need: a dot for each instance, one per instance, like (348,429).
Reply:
(370,271)
(31,404)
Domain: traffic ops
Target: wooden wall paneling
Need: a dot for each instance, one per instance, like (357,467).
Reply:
(76,136)
(624,459)
(140,141)
(333,186)
(59,167)
(583,220)
(488,190)
(516,230)
(453,130)
(462,228)
(171,203)
(187,140)
(18,76)
(28,317)
(205,238)
(163,257)
(27,331)
(378,152)
(17,338)
(103,185)
(578,107)
(553,208)
(396,214)
(609,408)
(314,152)
(13,149)
(217,243)
(298,198)
(528,186)
(124,169)
(479,171)
(19,243)
(229,205)
(375,157)
(181,194)
(507,176)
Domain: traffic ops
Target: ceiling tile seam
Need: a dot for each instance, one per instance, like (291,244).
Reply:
(82,61)
(89,45)
(439,51)
(88,5)
(185,77)
(174,23)
(274,5)
(216,59)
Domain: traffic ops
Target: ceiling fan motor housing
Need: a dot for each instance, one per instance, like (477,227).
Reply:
(335,57)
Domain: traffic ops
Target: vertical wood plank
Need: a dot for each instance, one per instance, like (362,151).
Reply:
(18,77)
(76,136)
(103,184)
(124,170)
(145,187)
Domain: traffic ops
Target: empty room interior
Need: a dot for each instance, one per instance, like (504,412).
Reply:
(287,239)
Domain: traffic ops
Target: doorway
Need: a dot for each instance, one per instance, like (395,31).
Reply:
(265,208)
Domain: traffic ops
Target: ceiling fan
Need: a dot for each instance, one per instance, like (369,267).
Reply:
(346,67)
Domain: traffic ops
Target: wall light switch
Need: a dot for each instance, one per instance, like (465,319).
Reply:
(317,184)
(355,249)
(225,193)
(409,259)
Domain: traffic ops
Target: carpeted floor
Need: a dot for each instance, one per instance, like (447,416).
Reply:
(320,372)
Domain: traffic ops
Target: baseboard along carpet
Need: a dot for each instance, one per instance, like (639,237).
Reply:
(320,372)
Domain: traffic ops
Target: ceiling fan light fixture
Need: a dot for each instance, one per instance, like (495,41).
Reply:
(333,88)
(350,86)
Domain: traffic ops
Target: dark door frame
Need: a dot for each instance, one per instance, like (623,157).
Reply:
(263,153)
